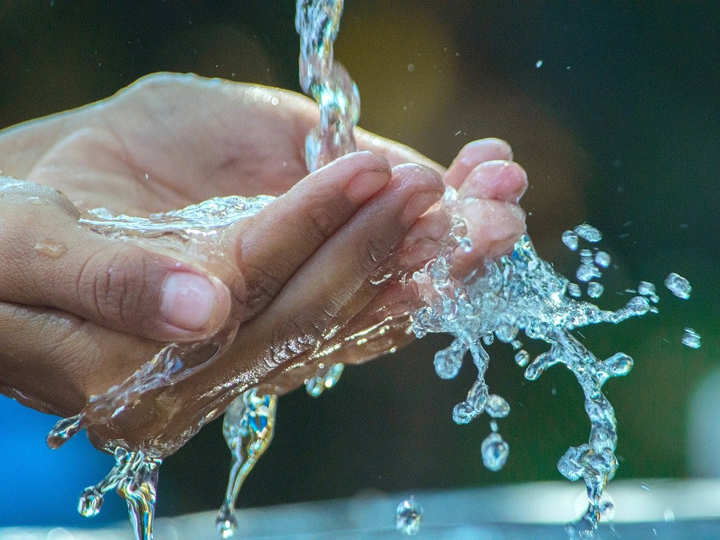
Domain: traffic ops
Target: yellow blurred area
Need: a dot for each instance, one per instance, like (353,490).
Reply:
(400,56)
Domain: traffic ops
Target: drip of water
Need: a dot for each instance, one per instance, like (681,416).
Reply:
(197,229)
(408,517)
(248,428)
(134,477)
(522,292)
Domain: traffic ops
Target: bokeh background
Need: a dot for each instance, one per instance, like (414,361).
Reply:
(612,107)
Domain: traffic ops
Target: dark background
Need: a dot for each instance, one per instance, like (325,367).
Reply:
(619,127)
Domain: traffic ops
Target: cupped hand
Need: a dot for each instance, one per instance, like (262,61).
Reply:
(77,323)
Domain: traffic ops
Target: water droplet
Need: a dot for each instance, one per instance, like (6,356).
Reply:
(691,339)
(408,517)
(678,285)
(619,364)
(411,67)
(644,486)
(50,248)
(90,502)
(539,64)
(602,259)
(595,289)
(586,272)
(588,232)
(574,290)
(522,358)
(669,516)
(497,407)
(570,239)
(495,452)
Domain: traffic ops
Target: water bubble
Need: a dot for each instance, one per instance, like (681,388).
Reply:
(588,232)
(595,289)
(678,285)
(496,406)
(408,517)
(691,339)
(494,451)
(602,259)
(570,239)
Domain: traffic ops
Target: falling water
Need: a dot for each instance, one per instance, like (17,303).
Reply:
(517,293)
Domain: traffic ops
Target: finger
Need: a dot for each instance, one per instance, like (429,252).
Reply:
(278,240)
(493,227)
(49,260)
(472,155)
(324,294)
(54,361)
(500,180)
(394,152)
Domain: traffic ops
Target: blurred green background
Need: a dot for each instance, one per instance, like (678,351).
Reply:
(613,108)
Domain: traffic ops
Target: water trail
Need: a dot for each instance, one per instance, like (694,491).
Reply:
(248,428)
(199,231)
(317,22)
(522,292)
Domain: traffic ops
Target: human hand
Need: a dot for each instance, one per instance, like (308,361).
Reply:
(101,155)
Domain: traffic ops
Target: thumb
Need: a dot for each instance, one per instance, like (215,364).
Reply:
(49,260)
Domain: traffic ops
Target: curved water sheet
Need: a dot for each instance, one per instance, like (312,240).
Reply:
(197,231)
(522,292)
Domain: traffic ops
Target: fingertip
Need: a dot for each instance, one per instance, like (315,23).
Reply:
(474,153)
(497,179)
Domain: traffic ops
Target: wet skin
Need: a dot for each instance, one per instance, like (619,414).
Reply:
(302,280)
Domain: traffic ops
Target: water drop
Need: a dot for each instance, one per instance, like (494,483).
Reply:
(678,285)
(586,272)
(691,339)
(522,358)
(588,232)
(602,259)
(539,64)
(50,248)
(495,452)
(496,406)
(408,517)
(570,239)
(574,290)
(595,289)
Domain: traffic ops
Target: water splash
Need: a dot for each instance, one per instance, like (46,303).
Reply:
(197,230)
(522,292)
(248,428)
(134,477)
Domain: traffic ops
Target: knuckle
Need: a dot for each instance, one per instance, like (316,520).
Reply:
(261,288)
(321,220)
(112,284)
(372,254)
(293,338)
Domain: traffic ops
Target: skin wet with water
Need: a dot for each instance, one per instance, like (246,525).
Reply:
(518,293)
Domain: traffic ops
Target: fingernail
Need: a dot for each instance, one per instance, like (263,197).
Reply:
(188,301)
(364,185)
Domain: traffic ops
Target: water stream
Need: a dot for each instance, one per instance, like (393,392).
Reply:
(515,298)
